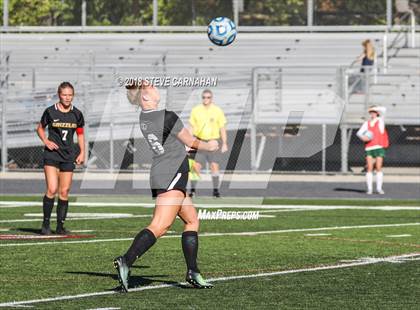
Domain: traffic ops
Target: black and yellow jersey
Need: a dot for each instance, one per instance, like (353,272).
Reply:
(61,129)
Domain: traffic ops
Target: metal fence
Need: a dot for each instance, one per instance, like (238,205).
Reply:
(299,119)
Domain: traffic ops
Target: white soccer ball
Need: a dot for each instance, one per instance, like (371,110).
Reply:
(222,31)
(368,134)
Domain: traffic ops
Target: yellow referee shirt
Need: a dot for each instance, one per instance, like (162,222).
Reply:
(206,121)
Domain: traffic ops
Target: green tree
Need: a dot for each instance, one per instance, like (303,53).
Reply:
(196,12)
(273,12)
(192,12)
(37,12)
(117,12)
(344,12)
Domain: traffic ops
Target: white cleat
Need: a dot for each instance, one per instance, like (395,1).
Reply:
(381,192)
(369,192)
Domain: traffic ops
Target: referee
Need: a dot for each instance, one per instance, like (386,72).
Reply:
(208,122)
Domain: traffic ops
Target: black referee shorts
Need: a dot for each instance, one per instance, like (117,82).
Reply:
(203,157)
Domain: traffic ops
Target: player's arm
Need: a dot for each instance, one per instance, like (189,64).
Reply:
(187,138)
(223,134)
(192,122)
(361,131)
(382,111)
(80,140)
(42,136)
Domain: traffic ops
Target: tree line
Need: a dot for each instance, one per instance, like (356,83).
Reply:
(195,12)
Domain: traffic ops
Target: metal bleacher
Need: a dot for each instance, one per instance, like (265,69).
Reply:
(34,64)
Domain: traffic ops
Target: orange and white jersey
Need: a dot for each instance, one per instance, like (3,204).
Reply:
(377,127)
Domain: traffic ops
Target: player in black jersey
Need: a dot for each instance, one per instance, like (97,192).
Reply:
(167,138)
(60,154)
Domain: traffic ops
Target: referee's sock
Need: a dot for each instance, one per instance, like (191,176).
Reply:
(62,208)
(47,207)
(193,186)
(215,179)
(141,243)
(190,249)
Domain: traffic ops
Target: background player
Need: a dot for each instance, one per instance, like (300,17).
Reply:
(374,134)
(60,153)
(167,137)
(208,122)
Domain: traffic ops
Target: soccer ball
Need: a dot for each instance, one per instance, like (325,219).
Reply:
(221,31)
(368,134)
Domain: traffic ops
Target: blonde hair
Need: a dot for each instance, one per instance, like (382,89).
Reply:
(368,49)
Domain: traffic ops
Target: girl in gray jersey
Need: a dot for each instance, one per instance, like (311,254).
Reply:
(167,137)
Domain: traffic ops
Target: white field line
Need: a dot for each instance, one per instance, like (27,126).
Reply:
(15,204)
(19,204)
(245,233)
(398,236)
(359,262)
(82,214)
(94,218)
(79,218)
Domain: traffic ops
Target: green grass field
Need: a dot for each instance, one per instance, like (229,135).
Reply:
(292,257)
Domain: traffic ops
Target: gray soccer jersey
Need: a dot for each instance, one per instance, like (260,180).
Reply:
(160,129)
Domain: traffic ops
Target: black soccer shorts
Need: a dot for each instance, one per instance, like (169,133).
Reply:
(61,165)
(203,157)
(162,183)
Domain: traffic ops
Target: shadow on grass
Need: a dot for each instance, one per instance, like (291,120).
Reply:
(352,190)
(135,281)
(29,230)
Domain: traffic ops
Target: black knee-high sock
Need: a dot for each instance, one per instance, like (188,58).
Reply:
(193,186)
(141,243)
(215,179)
(62,207)
(47,206)
(190,249)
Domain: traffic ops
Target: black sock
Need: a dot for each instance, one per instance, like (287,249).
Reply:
(193,186)
(215,179)
(62,207)
(47,206)
(190,249)
(141,243)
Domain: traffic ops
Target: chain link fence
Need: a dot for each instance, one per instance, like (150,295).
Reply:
(272,126)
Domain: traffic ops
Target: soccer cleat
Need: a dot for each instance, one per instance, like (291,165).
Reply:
(196,280)
(45,229)
(381,192)
(369,192)
(216,193)
(123,272)
(60,230)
